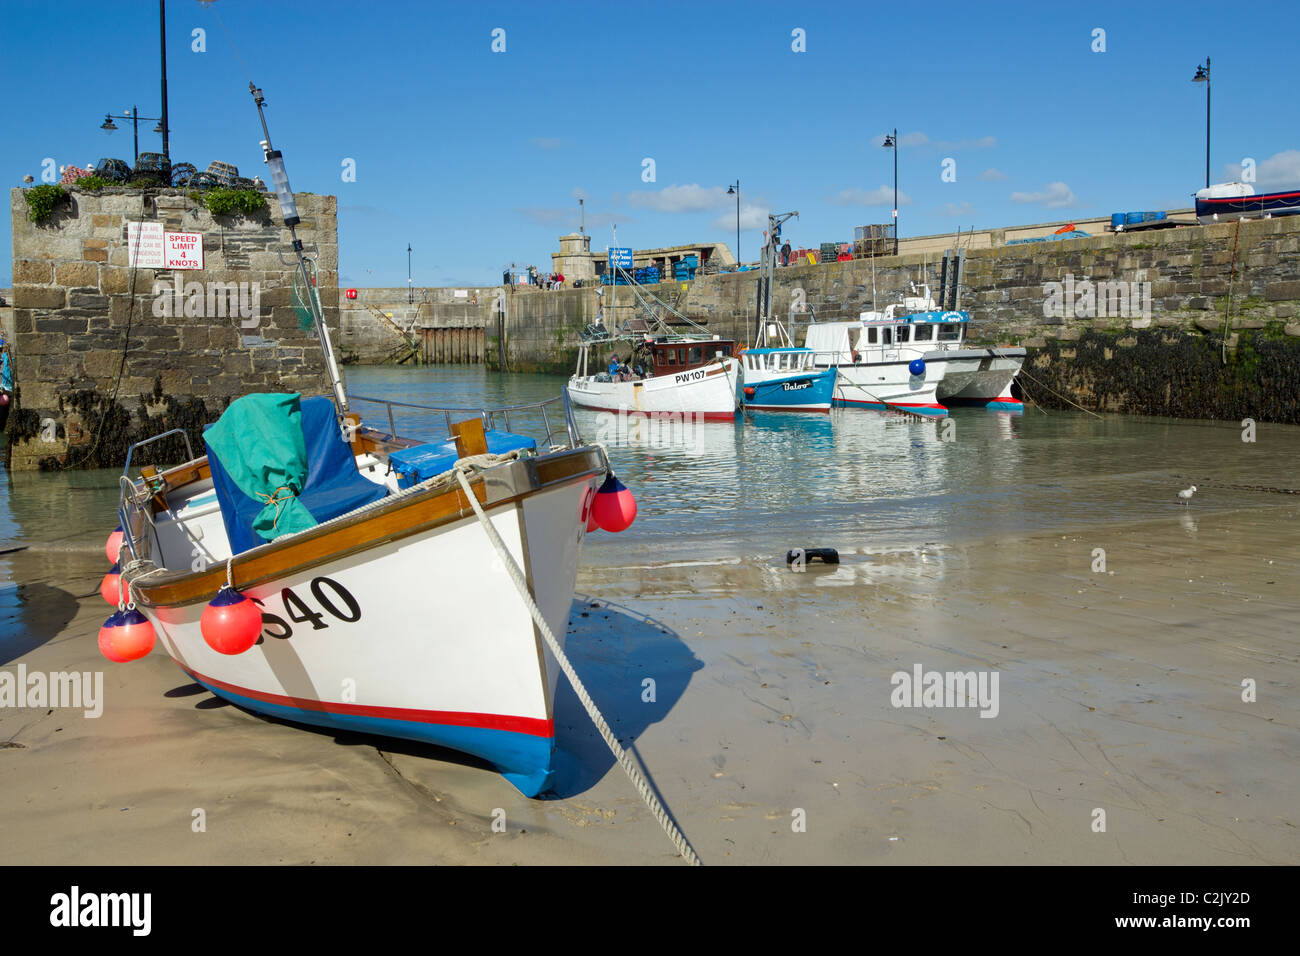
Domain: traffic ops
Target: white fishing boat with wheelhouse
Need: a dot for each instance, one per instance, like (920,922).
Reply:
(876,366)
(674,375)
(930,346)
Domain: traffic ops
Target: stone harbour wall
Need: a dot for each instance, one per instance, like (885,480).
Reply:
(1223,302)
(103,358)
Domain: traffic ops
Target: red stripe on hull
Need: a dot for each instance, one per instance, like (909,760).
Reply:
(533,726)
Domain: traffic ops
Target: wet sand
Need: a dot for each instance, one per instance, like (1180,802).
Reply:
(1118,690)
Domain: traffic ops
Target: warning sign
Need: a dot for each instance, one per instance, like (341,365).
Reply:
(144,243)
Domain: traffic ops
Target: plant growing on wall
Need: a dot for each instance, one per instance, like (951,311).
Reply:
(42,201)
(225,202)
(92,183)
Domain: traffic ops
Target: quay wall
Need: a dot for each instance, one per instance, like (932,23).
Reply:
(1221,340)
(440,325)
(97,367)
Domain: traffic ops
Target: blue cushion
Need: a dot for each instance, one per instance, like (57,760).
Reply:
(333,486)
(424,461)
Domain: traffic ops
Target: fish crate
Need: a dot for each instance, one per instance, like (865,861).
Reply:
(829,251)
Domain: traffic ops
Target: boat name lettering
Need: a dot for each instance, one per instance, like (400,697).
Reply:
(795,386)
(300,611)
(694,376)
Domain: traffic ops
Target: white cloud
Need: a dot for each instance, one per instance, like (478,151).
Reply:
(547,215)
(692,198)
(884,196)
(1277,172)
(904,139)
(1054,196)
(984,142)
(958,209)
(579,193)
(751,217)
(992,175)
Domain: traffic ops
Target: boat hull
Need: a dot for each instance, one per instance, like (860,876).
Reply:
(890,386)
(979,377)
(1257,206)
(708,391)
(809,391)
(422,638)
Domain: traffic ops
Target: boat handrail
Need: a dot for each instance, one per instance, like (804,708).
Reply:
(488,415)
(189,450)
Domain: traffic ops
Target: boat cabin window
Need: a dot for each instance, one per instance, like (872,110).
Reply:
(697,354)
(950,332)
(681,356)
(724,348)
(672,356)
(871,337)
(922,332)
(902,333)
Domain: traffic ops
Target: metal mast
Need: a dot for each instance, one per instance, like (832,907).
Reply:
(289,209)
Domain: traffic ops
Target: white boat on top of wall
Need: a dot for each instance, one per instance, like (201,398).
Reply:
(686,375)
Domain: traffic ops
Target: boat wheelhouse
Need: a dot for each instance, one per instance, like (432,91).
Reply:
(785,380)
(665,374)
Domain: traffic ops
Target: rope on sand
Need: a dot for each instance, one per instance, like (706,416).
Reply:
(633,773)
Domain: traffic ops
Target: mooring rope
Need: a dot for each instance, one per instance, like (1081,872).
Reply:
(1058,394)
(633,773)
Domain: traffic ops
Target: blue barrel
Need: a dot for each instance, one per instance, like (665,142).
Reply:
(1134,217)
(1117,220)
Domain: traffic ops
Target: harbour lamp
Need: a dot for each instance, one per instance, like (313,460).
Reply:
(1203,76)
(736,189)
(109,125)
(891,142)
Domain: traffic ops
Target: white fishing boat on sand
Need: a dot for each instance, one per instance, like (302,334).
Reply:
(316,568)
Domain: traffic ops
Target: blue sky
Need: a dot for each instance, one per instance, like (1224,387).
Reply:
(476,158)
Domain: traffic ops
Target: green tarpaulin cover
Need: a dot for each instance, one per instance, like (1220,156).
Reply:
(259,442)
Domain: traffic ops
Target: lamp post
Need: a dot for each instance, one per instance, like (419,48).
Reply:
(1203,76)
(891,142)
(162,40)
(410,289)
(134,116)
(582,217)
(736,189)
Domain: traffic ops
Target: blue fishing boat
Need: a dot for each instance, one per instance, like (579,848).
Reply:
(785,380)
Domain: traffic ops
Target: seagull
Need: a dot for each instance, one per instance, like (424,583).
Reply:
(1186,494)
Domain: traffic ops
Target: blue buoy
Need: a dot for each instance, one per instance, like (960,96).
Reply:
(916,366)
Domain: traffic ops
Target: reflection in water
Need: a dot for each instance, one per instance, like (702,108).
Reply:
(854,479)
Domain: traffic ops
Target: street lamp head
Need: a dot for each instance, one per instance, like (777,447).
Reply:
(1202,75)
(889,142)
(731,190)
(109,125)
(158,128)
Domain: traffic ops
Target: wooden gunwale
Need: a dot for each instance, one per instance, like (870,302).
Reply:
(401,518)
